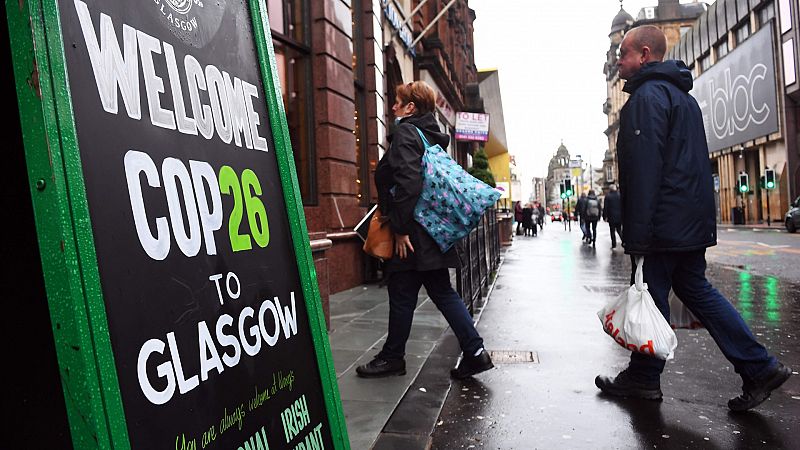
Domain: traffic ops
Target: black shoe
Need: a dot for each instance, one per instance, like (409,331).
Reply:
(624,386)
(472,365)
(753,394)
(380,367)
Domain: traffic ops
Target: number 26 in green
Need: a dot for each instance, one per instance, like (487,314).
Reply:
(245,199)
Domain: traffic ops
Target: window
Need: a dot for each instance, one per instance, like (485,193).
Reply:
(722,49)
(288,20)
(360,114)
(766,13)
(705,63)
(785,10)
(743,32)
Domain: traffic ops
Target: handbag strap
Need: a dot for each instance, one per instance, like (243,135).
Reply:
(424,139)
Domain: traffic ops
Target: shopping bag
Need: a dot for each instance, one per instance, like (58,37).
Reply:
(679,314)
(380,239)
(452,201)
(636,324)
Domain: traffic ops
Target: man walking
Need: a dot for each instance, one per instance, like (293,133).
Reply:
(593,214)
(612,213)
(580,211)
(669,219)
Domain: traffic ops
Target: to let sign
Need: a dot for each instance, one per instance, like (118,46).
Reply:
(472,126)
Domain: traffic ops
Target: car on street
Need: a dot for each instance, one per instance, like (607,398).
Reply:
(793,216)
(555,216)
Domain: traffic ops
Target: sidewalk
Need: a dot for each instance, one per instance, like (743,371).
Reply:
(359,324)
(541,326)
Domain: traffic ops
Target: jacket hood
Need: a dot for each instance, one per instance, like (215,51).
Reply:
(430,126)
(673,71)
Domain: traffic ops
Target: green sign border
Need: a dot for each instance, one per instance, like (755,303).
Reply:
(66,242)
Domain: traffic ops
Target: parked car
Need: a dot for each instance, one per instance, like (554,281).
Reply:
(555,216)
(793,216)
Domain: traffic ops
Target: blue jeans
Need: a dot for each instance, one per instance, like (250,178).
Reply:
(685,273)
(403,290)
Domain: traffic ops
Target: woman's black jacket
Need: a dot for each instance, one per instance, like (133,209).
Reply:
(398,178)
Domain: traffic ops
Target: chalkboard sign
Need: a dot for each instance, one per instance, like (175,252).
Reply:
(203,313)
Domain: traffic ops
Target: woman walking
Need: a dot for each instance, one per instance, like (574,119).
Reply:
(417,259)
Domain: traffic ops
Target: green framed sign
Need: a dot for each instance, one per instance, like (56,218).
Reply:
(179,276)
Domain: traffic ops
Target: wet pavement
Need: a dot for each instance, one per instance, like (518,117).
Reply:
(759,251)
(545,302)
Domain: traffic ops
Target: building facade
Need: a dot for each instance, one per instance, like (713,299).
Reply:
(339,62)
(674,19)
(557,170)
(744,58)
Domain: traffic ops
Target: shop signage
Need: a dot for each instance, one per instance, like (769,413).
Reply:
(209,317)
(472,126)
(394,17)
(737,94)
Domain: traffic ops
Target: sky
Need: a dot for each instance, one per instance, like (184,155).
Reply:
(550,57)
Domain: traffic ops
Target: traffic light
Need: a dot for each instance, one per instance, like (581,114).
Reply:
(568,187)
(769,179)
(563,193)
(744,183)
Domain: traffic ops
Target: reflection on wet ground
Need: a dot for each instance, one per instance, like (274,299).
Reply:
(546,300)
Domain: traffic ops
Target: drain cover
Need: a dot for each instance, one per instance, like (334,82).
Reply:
(513,357)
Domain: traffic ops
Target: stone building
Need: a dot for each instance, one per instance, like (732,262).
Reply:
(674,19)
(557,170)
(744,58)
(339,63)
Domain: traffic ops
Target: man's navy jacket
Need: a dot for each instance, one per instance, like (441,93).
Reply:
(665,172)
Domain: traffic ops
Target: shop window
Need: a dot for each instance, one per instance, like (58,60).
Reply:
(288,21)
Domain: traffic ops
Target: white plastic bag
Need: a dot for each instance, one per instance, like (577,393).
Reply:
(635,323)
(679,314)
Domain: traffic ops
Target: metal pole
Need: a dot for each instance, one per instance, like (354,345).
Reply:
(411,16)
(433,22)
(769,222)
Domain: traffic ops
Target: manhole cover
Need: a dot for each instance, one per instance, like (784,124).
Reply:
(512,357)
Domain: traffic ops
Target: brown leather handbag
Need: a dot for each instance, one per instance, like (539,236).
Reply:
(380,239)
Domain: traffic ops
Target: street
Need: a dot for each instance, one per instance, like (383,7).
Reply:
(548,291)
(767,253)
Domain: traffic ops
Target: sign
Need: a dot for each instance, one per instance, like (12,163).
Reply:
(504,187)
(205,312)
(472,126)
(737,94)
(394,17)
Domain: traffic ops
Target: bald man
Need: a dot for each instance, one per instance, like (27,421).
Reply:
(669,218)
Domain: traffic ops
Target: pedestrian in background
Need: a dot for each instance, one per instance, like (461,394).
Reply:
(542,213)
(580,212)
(612,213)
(669,218)
(534,219)
(593,212)
(417,259)
(518,216)
(527,219)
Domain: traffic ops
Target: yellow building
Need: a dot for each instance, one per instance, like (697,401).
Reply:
(496,147)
